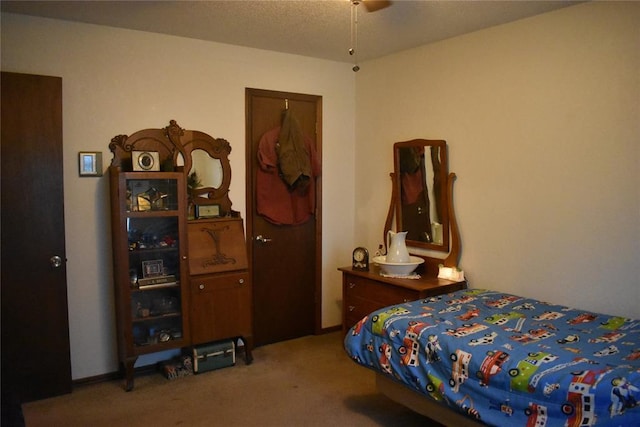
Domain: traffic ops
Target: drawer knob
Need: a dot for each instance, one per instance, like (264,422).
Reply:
(352,307)
(241,281)
(352,285)
(201,286)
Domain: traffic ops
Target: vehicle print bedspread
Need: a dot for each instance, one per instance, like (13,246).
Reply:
(508,360)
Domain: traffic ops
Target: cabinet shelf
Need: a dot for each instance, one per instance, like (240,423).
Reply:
(147,288)
(154,346)
(154,249)
(145,214)
(156,317)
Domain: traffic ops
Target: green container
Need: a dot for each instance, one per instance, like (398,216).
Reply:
(217,355)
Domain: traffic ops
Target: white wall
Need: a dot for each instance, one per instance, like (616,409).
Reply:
(118,81)
(542,119)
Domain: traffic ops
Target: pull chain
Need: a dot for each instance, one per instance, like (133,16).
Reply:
(354,34)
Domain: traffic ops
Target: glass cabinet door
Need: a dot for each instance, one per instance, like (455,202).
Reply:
(152,195)
(153,228)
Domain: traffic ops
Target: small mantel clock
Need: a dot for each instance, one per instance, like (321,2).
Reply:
(360,259)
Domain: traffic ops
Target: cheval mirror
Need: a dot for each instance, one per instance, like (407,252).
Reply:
(422,201)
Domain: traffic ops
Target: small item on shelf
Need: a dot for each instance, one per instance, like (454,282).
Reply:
(157,282)
(450,273)
(133,277)
(360,259)
(207,211)
(178,367)
(151,200)
(152,268)
(140,335)
(145,161)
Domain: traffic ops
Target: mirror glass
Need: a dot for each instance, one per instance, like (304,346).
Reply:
(208,169)
(420,193)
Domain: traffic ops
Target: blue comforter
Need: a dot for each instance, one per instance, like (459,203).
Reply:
(503,359)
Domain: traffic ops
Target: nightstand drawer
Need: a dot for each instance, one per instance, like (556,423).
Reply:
(365,292)
(359,287)
(356,308)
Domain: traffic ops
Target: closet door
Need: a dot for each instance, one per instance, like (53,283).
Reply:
(285,259)
(35,329)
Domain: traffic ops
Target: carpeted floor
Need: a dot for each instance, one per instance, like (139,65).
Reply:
(308,381)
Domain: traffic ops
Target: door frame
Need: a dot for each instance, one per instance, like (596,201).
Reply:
(251,186)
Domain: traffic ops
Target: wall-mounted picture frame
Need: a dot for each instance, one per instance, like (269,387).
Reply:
(89,163)
(207,211)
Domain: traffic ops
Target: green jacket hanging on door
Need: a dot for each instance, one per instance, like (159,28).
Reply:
(294,160)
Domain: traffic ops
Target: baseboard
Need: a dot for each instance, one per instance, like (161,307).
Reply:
(111,376)
(149,369)
(330,329)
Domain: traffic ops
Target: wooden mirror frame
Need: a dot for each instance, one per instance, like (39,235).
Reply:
(453,232)
(173,143)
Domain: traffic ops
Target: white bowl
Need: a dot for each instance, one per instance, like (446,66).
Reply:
(398,268)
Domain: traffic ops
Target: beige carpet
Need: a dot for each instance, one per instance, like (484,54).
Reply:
(304,382)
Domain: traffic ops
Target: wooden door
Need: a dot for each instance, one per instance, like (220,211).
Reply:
(36,359)
(285,263)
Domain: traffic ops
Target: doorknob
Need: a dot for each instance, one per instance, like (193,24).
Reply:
(260,238)
(55,261)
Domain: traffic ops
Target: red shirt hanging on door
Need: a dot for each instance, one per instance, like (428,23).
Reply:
(275,200)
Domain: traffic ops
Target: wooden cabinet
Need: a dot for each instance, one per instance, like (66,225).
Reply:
(220,306)
(367,291)
(220,289)
(171,293)
(149,241)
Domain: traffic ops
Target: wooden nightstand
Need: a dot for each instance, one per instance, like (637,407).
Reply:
(366,291)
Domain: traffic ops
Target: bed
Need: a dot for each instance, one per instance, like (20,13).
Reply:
(497,359)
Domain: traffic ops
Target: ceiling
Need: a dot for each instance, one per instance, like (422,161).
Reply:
(315,28)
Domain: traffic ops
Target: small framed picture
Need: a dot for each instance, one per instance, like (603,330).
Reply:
(90,163)
(152,268)
(207,211)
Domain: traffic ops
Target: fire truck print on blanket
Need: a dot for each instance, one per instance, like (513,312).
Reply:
(508,360)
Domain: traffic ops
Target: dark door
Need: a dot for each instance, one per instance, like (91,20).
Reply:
(35,329)
(285,261)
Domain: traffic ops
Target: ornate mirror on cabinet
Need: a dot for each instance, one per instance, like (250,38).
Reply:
(422,200)
(208,174)
(204,160)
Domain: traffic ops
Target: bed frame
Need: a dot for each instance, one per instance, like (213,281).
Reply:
(421,404)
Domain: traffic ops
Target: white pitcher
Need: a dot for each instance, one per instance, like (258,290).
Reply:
(397,251)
